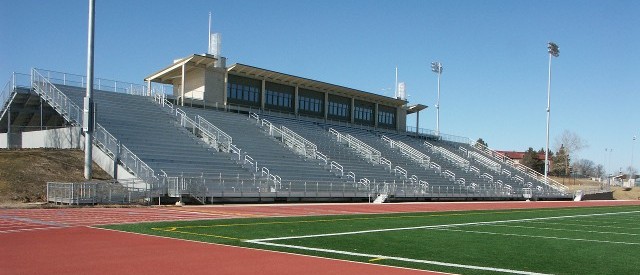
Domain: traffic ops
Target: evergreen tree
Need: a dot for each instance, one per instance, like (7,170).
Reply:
(560,163)
(481,142)
(532,161)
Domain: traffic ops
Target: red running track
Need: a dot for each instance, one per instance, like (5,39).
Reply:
(84,250)
(61,242)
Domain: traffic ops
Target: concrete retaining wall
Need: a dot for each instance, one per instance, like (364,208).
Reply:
(63,138)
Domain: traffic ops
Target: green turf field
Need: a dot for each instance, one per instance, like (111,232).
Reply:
(597,240)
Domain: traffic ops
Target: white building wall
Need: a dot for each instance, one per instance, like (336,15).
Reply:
(215,86)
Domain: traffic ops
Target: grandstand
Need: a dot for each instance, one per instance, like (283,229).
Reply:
(210,133)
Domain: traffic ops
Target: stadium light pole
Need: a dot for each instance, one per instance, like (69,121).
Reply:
(87,120)
(633,143)
(554,50)
(436,67)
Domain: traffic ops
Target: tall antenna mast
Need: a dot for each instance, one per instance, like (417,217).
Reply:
(209,35)
(395,93)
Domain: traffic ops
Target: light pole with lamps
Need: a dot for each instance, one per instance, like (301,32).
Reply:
(554,50)
(436,67)
(633,143)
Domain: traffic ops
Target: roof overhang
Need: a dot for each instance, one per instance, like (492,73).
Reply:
(168,74)
(254,72)
(416,108)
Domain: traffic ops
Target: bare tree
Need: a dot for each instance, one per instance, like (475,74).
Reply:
(571,142)
(632,171)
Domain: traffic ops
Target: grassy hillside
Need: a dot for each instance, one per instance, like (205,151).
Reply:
(25,172)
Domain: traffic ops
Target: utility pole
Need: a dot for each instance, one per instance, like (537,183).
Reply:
(87,120)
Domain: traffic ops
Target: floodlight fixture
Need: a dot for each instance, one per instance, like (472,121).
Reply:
(553,49)
(436,67)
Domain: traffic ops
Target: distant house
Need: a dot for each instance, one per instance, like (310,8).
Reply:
(518,156)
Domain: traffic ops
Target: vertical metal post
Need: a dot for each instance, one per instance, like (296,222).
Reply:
(395,90)
(438,102)
(417,123)
(116,159)
(88,103)
(41,114)
(9,126)
(546,151)
(553,51)
(633,143)
(182,85)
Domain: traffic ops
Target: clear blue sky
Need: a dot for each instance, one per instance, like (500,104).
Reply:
(494,54)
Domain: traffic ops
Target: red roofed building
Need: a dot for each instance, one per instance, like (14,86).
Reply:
(518,156)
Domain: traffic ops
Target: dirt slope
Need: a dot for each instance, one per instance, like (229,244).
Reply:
(25,172)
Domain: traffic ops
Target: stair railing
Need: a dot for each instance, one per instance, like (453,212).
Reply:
(108,143)
(351,175)
(503,158)
(104,140)
(435,166)
(56,99)
(337,166)
(460,161)
(409,151)
(364,149)
(450,175)
(289,140)
(9,91)
(223,140)
(487,176)
(485,161)
(399,170)
(308,144)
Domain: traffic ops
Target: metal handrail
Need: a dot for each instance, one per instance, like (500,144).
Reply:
(56,99)
(70,111)
(414,154)
(337,166)
(223,139)
(250,160)
(505,159)
(352,175)
(104,84)
(435,166)
(399,170)
(235,150)
(303,140)
(440,136)
(451,156)
(449,174)
(128,159)
(485,161)
(9,89)
(385,162)
(487,176)
(322,157)
(367,151)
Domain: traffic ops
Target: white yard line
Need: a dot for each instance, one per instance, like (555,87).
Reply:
(436,226)
(532,236)
(586,225)
(444,227)
(374,256)
(562,229)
